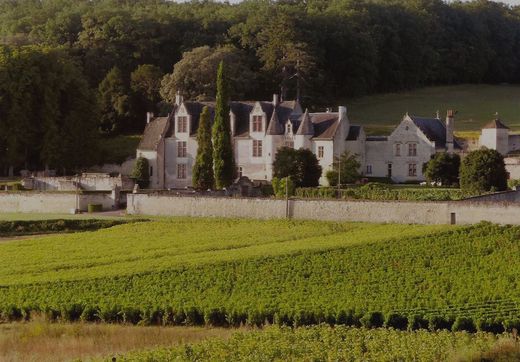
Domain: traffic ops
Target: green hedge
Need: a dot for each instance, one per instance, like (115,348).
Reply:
(374,191)
(94,208)
(28,227)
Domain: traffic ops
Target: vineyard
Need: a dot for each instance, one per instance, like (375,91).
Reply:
(323,343)
(231,272)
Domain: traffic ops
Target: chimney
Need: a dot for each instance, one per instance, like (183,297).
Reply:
(342,110)
(149,116)
(178,98)
(275,100)
(450,125)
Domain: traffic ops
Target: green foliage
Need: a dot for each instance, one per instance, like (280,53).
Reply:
(513,183)
(481,171)
(338,343)
(376,191)
(430,275)
(114,102)
(203,169)
(117,149)
(47,110)
(223,157)
(141,172)
(145,83)
(283,187)
(25,227)
(91,208)
(301,166)
(443,168)
(349,169)
(194,76)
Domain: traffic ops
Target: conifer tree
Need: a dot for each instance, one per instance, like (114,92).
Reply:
(203,169)
(224,163)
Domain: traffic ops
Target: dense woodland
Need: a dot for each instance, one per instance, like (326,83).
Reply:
(72,71)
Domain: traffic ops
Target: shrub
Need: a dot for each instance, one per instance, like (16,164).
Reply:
(94,208)
(141,172)
(464,324)
(301,166)
(436,323)
(396,321)
(283,187)
(417,322)
(372,320)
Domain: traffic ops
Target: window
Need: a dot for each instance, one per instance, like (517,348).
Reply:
(398,149)
(369,169)
(412,149)
(181,171)
(182,124)
(240,171)
(257,148)
(257,123)
(181,149)
(412,169)
(389,171)
(320,151)
(288,127)
(151,171)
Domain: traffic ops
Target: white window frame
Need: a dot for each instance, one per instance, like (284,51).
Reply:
(321,152)
(257,148)
(257,124)
(181,171)
(182,124)
(182,149)
(369,169)
(412,170)
(412,149)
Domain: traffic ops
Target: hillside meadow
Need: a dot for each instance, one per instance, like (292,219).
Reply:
(225,272)
(476,105)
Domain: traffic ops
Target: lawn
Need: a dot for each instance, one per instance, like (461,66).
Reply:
(476,106)
(119,148)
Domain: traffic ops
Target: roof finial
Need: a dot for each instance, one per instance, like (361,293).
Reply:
(438,115)
(496,115)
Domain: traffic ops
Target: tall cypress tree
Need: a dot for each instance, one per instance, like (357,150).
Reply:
(224,162)
(203,169)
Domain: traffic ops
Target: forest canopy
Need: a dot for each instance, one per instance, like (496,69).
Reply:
(337,49)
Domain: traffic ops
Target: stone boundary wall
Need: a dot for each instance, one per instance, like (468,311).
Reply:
(453,212)
(51,202)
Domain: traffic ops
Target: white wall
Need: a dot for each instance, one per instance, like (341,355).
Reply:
(465,212)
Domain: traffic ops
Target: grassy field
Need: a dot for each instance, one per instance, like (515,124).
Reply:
(476,105)
(324,343)
(230,272)
(117,149)
(41,341)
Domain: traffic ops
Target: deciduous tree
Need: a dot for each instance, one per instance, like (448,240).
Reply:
(483,170)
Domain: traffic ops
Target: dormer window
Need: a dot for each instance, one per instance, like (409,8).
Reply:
(257,124)
(288,128)
(182,124)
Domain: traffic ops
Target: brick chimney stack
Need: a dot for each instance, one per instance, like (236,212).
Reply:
(178,99)
(450,126)
(276,100)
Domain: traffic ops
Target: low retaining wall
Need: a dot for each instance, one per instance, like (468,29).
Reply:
(456,212)
(51,202)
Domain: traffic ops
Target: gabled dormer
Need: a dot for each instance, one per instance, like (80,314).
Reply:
(257,120)
(182,121)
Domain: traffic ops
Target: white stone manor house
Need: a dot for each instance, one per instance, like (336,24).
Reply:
(260,128)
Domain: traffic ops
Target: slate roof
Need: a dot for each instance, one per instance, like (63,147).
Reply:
(377,138)
(496,123)
(434,129)
(153,133)
(321,125)
(306,126)
(353,133)
(325,125)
